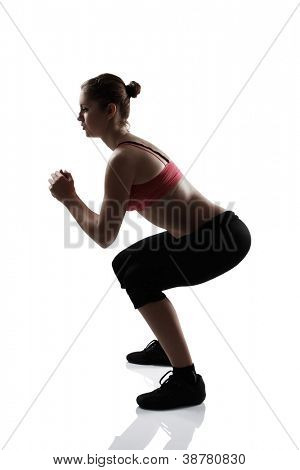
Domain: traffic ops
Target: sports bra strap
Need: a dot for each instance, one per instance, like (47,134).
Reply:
(145,146)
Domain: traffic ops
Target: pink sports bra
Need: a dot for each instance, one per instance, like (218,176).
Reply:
(144,194)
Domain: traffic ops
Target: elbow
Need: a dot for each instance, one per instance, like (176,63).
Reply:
(106,245)
(103,245)
(107,235)
(106,241)
(101,238)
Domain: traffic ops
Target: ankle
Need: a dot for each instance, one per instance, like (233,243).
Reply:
(188,368)
(186,373)
(190,364)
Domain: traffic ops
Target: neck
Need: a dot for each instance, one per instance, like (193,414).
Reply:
(115,138)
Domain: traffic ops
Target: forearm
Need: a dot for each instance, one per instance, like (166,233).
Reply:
(86,218)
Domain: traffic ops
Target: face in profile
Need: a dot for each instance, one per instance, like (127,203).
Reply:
(91,117)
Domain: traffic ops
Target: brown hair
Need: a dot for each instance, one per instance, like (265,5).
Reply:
(108,88)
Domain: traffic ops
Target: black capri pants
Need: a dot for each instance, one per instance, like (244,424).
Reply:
(161,261)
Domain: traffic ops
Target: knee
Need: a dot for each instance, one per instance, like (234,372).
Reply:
(115,264)
(135,277)
(118,261)
(120,264)
(129,277)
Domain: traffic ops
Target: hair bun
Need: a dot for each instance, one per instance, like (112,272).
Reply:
(133,89)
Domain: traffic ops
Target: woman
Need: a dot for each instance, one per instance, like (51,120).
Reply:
(200,241)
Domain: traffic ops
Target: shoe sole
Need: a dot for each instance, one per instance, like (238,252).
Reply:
(173,408)
(151,363)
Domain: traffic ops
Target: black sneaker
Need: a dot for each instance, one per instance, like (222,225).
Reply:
(174,393)
(152,355)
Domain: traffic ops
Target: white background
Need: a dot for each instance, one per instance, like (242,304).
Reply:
(193,60)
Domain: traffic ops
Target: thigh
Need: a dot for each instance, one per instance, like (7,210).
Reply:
(146,255)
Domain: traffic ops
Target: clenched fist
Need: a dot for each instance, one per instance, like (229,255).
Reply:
(62,185)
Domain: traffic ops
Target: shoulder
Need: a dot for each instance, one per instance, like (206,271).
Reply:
(120,170)
(123,159)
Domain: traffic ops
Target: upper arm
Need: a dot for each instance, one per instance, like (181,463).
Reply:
(119,176)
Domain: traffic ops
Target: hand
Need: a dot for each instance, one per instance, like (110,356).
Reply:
(62,186)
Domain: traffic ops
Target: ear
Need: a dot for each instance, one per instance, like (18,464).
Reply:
(111,110)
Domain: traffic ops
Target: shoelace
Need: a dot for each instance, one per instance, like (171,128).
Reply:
(170,379)
(150,344)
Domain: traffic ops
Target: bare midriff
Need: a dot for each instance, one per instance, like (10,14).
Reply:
(181,210)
